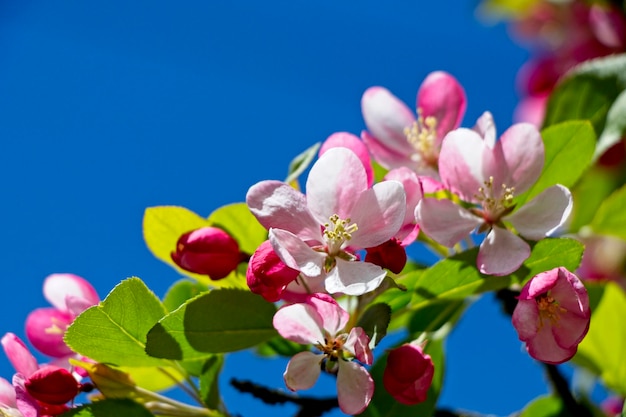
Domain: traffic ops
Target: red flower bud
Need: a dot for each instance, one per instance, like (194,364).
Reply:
(390,255)
(207,251)
(267,275)
(409,374)
(52,385)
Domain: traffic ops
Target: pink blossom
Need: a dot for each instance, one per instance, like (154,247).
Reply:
(487,175)
(412,184)
(267,275)
(35,385)
(356,145)
(552,315)
(320,321)
(319,234)
(208,251)
(8,400)
(69,295)
(408,374)
(396,137)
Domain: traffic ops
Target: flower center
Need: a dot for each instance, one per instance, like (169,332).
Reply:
(549,309)
(495,202)
(422,135)
(337,232)
(332,348)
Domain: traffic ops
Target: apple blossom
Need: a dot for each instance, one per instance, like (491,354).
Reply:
(208,251)
(267,275)
(552,315)
(356,145)
(487,175)
(320,321)
(69,295)
(396,138)
(319,233)
(408,374)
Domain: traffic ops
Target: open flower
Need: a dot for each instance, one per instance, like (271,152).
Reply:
(319,234)
(487,175)
(396,137)
(552,315)
(69,295)
(320,321)
(408,374)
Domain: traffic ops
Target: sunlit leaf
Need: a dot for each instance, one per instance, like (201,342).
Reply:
(108,408)
(240,223)
(569,147)
(605,343)
(301,162)
(219,321)
(121,323)
(180,292)
(545,406)
(610,219)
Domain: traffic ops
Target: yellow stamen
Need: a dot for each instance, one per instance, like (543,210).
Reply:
(422,134)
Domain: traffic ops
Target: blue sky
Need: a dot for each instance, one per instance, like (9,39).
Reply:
(107,108)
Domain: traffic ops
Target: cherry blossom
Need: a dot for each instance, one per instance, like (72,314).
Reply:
(552,315)
(396,137)
(320,321)
(319,233)
(69,295)
(488,174)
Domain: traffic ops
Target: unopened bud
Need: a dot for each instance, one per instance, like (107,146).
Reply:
(207,251)
(390,254)
(267,275)
(52,385)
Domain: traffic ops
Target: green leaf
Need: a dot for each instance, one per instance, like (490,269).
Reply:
(588,91)
(384,405)
(545,406)
(240,223)
(434,316)
(569,147)
(301,162)
(615,125)
(375,321)
(180,292)
(121,323)
(108,408)
(548,254)
(219,321)
(610,219)
(209,389)
(590,192)
(605,343)
(280,346)
(457,277)
(163,226)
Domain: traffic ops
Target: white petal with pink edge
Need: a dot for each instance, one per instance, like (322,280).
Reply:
(355,387)
(299,323)
(501,253)
(444,221)
(542,215)
(354,277)
(302,371)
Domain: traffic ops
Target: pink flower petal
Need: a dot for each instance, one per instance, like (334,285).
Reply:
(355,387)
(413,189)
(501,253)
(461,162)
(542,215)
(525,319)
(18,354)
(386,117)
(302,371)
(295,253)
(334,318)
(300,323)
(444,221)
(544,348)
(45,328)
(334,184)
(441,96)
(354,277)
(27,405)
(379,213)
(386,157)
(358,345)
(57,287)
(486,128)
(523,151)
(279,205)
(7,394)
(352,142)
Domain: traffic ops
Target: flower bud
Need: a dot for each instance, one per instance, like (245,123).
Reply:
(408,374)
(52,385)
(267,275)
(552,315)
(207,251)
(390,254)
